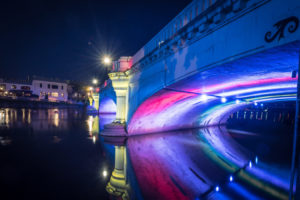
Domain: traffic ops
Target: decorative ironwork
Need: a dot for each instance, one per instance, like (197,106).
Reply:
(291,22)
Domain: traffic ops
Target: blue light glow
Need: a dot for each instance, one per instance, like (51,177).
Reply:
(250,164)
(217,188)
(255,103)
(237,101)
(223,99)
(204,97)
(231,178)
(256,159)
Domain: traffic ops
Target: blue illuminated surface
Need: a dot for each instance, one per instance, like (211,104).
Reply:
(203,164)
(199,100)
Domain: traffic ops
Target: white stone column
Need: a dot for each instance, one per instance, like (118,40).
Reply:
(120,84)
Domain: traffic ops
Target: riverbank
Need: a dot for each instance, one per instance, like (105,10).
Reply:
(25,103)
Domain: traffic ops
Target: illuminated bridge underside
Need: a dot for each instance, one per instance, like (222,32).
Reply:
(197,101)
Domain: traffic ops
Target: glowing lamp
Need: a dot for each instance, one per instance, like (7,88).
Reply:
(250,164)
(106,60)
(204,97)
(223,99)
(237,101)
(104,173)
(231,178)
(95,81)
(217,188)
(255,103)
(256,159)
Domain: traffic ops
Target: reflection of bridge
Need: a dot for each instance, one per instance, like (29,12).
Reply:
(193,164)
(212,59)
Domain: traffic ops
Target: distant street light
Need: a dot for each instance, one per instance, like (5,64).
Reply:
(106,60)
(95,81)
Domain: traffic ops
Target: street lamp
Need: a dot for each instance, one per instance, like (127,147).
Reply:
(106,60)
(95,81)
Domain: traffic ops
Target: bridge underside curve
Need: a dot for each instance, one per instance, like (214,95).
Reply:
(107,106)
(209,97)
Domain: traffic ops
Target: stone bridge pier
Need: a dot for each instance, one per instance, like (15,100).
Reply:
(120,82)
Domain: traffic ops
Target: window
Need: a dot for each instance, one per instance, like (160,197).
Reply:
(62,94)
(2,87)
(25,88)
(55,87)
(41,85)
(13,87)
(54,94)
(62,87)
(48,86)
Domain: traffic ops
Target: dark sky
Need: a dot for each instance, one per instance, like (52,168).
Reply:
(64,39)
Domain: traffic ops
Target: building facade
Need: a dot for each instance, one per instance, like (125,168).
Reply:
(15,89)
(50,90)
(39,89)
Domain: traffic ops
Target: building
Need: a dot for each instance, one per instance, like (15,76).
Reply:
(50,90)
(37,88)
(15,88)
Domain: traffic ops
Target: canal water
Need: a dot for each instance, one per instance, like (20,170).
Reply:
(58,154)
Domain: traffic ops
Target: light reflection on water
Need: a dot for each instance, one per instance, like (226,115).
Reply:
(181,164)
(39,119)
(56,152)
(198,164)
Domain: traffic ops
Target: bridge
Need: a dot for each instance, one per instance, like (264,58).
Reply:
(213,58)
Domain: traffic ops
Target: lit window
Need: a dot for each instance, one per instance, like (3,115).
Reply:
(14,87)
(54,94)
(62,94)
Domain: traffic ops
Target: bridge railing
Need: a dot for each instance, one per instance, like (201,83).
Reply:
(187,15)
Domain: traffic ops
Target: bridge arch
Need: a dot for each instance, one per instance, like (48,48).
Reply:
(208,97)
(107,102)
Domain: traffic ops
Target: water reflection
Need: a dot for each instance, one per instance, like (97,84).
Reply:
(206,164)
(56,147)
(214,163)
(93,127)
(38,120)
(118,185)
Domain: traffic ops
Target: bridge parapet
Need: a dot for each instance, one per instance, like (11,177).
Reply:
(196,21)
(122,64)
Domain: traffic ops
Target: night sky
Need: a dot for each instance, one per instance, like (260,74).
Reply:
(64,39)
